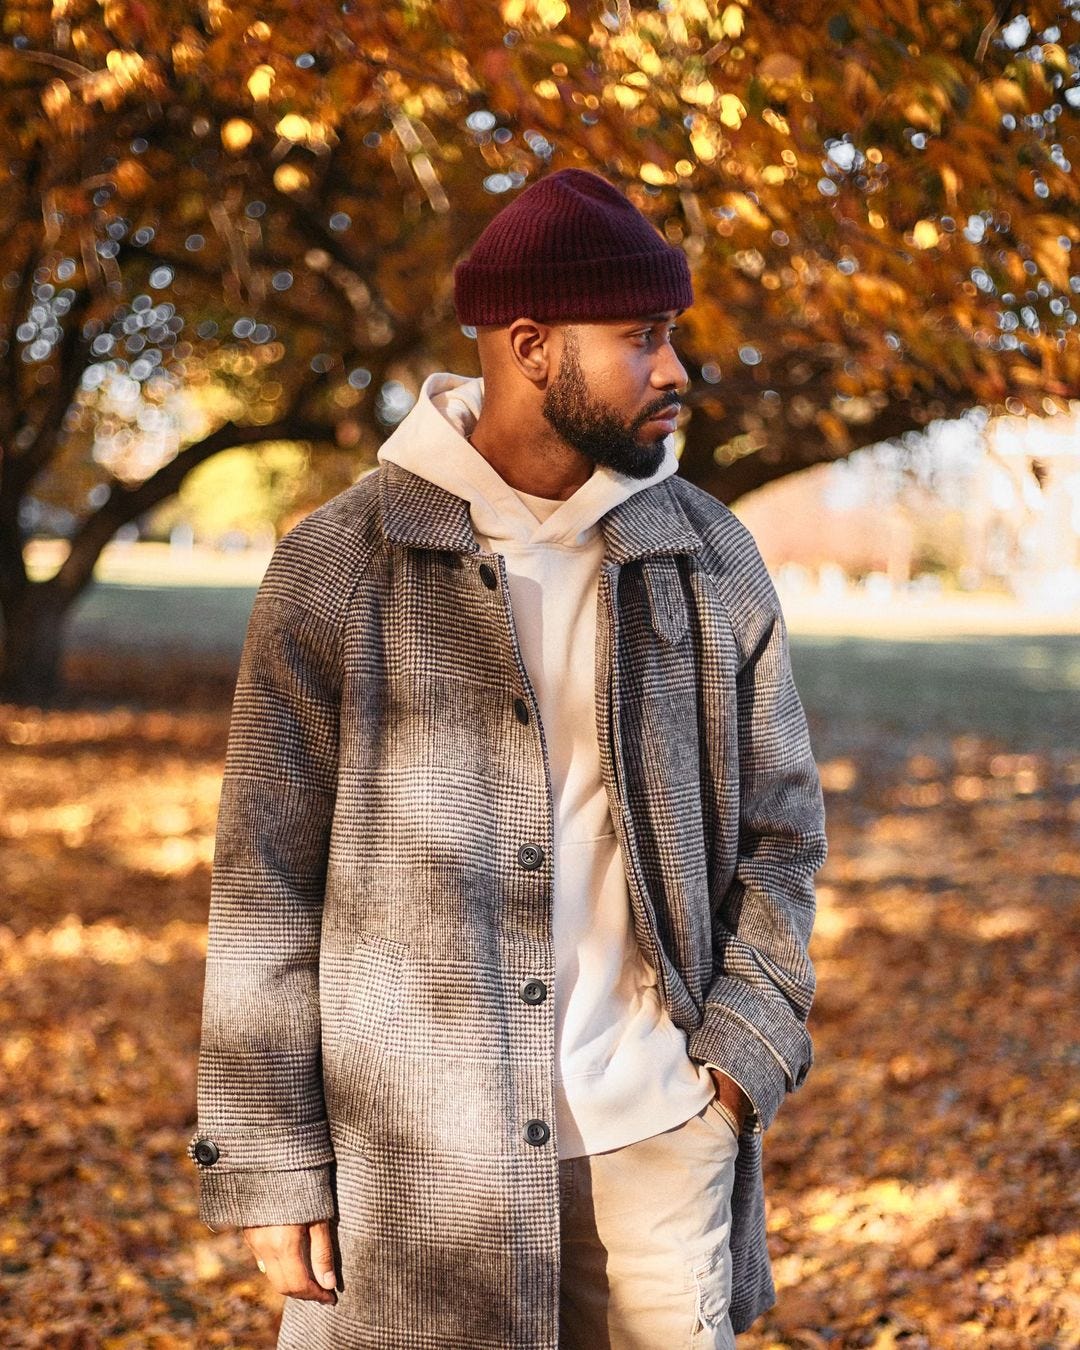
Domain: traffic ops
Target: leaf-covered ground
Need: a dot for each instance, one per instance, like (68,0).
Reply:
(922,1185)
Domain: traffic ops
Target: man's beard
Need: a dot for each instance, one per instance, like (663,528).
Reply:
(593,428)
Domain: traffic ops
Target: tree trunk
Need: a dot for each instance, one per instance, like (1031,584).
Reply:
(35,619)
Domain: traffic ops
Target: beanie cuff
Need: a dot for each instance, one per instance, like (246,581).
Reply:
(582,289)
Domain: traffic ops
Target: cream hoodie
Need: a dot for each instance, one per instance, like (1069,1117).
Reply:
(622,1069)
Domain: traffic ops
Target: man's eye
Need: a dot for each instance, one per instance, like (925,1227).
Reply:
(648,332)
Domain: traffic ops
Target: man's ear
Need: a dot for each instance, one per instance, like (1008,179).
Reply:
(532,349)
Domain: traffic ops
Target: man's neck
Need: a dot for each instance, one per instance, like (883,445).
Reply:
(548,468)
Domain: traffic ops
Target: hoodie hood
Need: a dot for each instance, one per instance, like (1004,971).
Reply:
(431,442)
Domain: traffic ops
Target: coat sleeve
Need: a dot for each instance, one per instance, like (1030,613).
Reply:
(262,1144)
(754,1027)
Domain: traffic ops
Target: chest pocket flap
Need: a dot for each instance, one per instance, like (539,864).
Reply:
(667,600)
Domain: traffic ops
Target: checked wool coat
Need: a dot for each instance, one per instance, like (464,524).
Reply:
(381,895)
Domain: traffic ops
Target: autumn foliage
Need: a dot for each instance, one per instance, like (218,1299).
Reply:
(264,204)
(922,1184)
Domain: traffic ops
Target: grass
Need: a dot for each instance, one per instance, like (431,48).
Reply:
(1021,688)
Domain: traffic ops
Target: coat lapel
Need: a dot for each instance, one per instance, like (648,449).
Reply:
(419,514)
(651,523)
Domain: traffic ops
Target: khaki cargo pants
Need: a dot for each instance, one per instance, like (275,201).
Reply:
(646,1263)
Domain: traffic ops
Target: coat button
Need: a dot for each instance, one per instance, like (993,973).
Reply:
(521,711)
(206,1152)
(537,1132)
(531,856)
(487,576)
(534,991)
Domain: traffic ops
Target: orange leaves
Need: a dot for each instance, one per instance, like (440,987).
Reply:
(236,134)
(546,13)
(56,99)
(129,20)
(1051,254)
(260,82)
(132,179)
(1009,96)
(861,90)
(835,430)
(921,1185)
(746,210)
(878,297)
(781,70)
(950,182)
(373,103)
(188,52)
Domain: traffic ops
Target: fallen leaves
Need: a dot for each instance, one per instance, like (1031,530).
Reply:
(922,1185)
(924,1181)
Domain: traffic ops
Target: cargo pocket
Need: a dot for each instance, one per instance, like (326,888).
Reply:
(356,1044)
(712,1292)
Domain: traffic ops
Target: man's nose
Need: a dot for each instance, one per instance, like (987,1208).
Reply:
(669,372)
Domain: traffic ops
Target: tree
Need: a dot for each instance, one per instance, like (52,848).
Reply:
(878,204)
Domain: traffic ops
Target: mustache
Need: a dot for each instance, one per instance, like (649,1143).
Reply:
(655,409)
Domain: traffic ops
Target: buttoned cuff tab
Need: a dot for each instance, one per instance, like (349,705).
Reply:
(255,1199)
(287,1148)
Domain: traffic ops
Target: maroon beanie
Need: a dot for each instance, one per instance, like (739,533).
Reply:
(571,246)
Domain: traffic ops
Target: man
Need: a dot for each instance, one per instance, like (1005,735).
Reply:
(507,969)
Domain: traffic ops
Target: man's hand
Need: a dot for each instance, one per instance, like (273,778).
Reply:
(297,1259)
(732,1096)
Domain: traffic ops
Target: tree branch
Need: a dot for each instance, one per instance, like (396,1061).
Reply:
(772,461)
(70,362)
(125,504)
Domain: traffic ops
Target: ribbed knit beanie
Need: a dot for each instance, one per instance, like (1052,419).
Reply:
(571,246)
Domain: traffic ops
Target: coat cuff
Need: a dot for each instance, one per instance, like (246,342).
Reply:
(766,1061)
(254,1199)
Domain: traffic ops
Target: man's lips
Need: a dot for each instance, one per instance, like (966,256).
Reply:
(668,414)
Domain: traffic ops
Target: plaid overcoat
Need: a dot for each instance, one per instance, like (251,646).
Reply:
(381,895)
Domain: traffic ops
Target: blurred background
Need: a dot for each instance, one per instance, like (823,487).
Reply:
(228,235)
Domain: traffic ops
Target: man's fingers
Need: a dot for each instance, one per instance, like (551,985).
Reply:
(290,1275)
(282,1251)
(322,1255)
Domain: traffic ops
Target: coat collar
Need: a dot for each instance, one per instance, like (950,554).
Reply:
(418,514)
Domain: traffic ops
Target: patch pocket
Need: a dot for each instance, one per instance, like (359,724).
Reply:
(358,1039)
(711,1277)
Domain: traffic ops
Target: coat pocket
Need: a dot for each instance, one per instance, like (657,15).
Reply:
(357,1038)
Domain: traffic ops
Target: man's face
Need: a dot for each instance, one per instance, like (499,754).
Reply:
(618,406)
